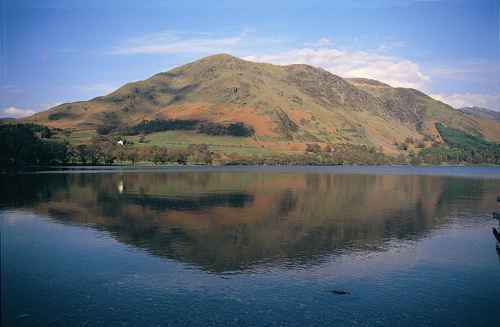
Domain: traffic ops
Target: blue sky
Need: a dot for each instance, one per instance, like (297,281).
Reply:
(65,50)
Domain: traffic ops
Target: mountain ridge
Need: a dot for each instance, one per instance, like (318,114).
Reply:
(487,113)
(294,104)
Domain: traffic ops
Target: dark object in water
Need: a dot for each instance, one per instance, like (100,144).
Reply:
(497,235)
(496,215)
(338,292)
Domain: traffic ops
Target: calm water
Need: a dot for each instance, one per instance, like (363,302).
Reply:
(251,246)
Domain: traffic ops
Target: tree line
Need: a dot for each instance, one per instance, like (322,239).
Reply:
(19,145)
(438,155)
(24,144)
(162,125)
(462,140)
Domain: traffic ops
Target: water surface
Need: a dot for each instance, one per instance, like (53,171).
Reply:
(250,246)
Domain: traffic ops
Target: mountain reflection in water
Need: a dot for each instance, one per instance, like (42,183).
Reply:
(226,222)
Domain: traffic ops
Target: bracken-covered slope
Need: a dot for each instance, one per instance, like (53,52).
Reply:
(295,103)
(421,111)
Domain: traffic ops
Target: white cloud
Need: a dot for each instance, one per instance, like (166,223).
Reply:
(176,42)
(320,43)
(13,89)
(457,100)
(46,106)
(470,70)
(190,43)
(17,113)
(386,46)
(96,88)
(393,71)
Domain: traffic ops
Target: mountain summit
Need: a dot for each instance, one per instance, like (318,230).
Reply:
(294,103)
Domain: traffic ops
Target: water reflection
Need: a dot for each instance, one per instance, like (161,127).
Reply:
(225,222)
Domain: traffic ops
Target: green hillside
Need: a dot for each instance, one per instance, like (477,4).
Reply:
(462,140)
(287,107)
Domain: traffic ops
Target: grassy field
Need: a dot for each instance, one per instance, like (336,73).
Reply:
(225,145)
(79,137)
(182,139)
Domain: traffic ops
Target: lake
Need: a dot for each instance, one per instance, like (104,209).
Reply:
(250,246)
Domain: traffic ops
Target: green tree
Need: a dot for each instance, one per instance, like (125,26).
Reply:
(415,161)
(155,158)
(429,159)
(463,140)
(46,134)
(133,155)
(82,153)
(107,153)
(121,153)
(67,132)
(400,160)
(94,153)
(145,153)
(17,141)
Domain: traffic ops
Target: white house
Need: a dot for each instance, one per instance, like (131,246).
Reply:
(124,142)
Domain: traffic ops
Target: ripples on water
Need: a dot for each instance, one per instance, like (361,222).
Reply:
(241,246)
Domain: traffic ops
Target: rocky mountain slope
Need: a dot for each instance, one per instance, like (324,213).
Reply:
(295,103)
(487,113)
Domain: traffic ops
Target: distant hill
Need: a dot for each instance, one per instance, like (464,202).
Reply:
(6,119)
(490,114)
(288,105)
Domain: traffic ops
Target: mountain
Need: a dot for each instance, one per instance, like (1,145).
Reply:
(415,107)
(490,114)
(293,104)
